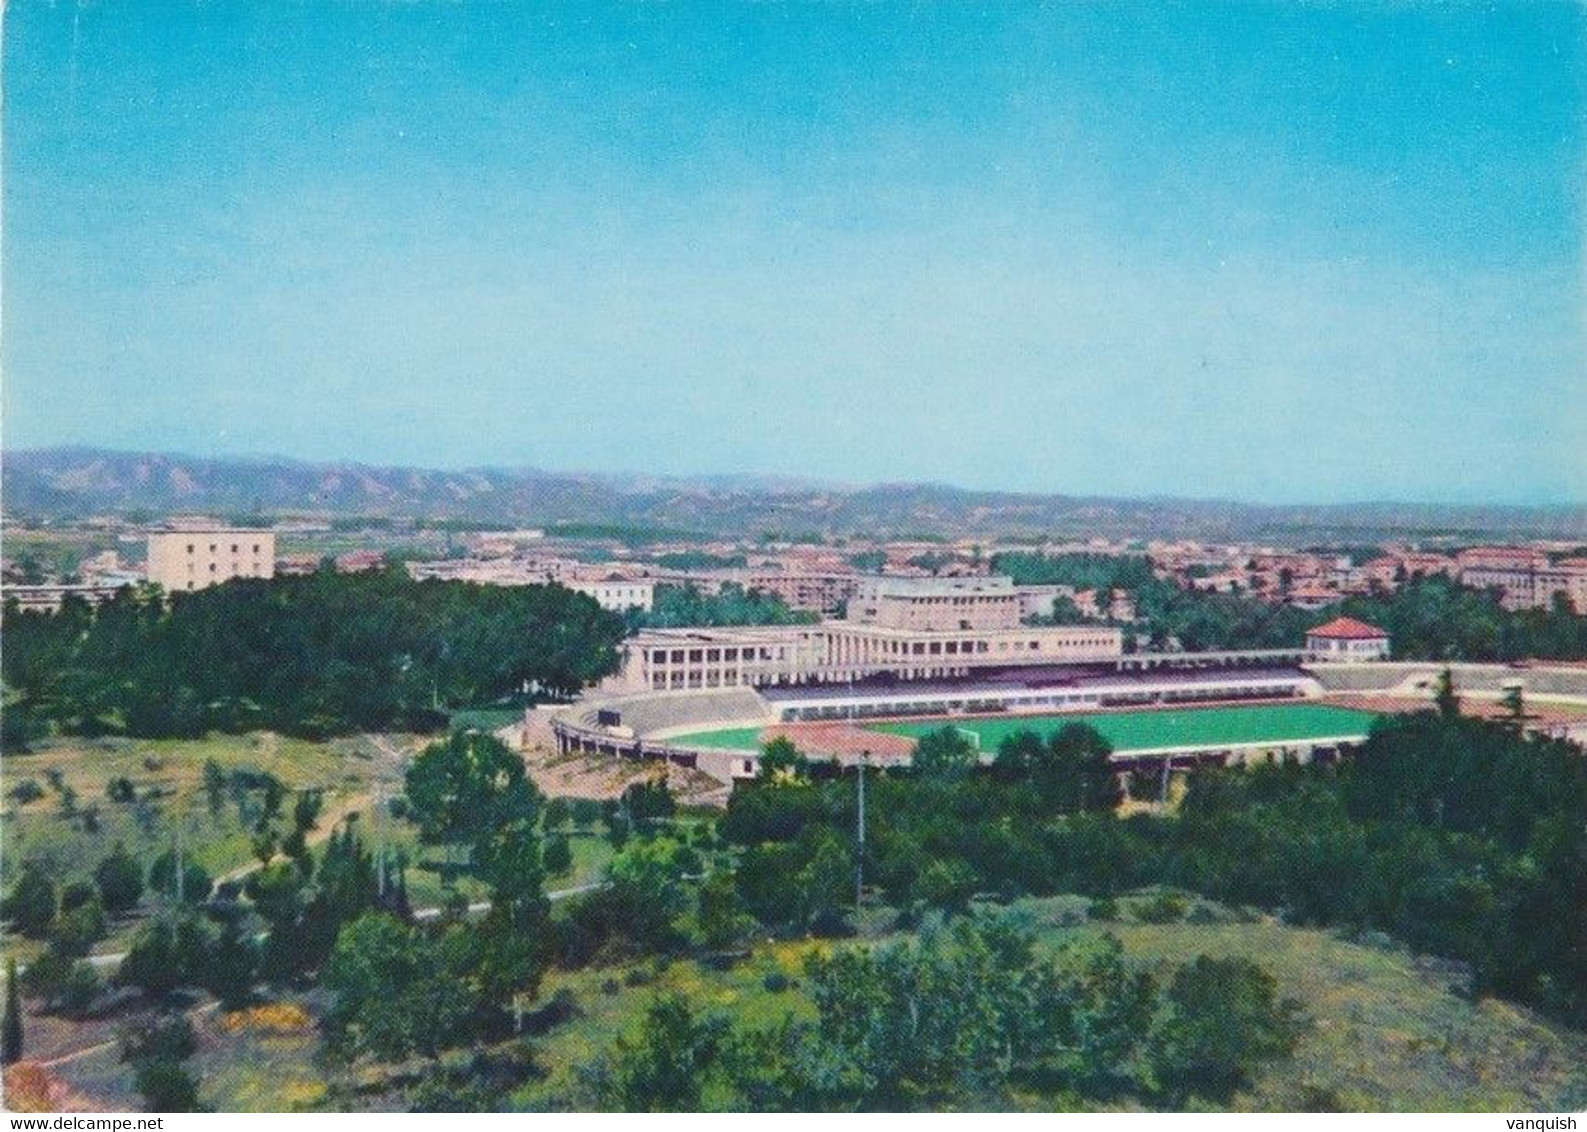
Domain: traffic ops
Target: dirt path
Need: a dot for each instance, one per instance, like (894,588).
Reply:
(100,1047)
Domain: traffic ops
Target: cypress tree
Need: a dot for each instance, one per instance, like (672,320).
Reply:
(11,1027)
(1444,697)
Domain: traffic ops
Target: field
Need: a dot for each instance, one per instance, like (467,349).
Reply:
(1126,730)
(1388,1031)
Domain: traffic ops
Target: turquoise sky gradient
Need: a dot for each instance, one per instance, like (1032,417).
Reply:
(1267,251)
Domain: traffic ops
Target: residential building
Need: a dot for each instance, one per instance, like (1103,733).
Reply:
(616,594)
(186,559)
(48,598)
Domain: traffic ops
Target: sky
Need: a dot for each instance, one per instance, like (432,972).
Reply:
(1272,252)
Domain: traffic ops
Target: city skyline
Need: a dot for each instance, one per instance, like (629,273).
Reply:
(1318,255)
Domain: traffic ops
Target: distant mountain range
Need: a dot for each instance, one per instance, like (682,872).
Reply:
(78,482)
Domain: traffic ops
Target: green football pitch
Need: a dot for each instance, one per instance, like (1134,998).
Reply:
(1126,730)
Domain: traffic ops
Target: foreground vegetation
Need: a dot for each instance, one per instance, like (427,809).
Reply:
(1382,1029)
(1254,947)
(1458,836)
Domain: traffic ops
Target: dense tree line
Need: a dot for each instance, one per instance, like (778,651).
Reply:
(1083,571)
(312,656)
(1460,837)
(685,606)
(1426,618)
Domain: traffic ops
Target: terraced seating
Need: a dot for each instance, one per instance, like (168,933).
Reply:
(649,715)
(1477,678)
(1364,677)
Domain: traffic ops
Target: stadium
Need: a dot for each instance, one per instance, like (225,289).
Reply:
(1312,711)
(914,655)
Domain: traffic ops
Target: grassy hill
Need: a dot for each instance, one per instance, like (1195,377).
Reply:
(1389,1030)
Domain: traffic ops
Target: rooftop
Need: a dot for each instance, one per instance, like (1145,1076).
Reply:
(1348,629)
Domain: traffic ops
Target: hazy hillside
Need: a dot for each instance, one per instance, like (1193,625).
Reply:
(61,482)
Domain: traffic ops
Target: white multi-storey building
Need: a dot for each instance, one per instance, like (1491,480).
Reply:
(186,559)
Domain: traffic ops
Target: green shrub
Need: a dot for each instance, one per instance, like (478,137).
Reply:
(1164,908)
(1104,909)
(25,791)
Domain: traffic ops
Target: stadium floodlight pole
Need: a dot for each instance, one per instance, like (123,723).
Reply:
(179,886)
(859,840)
(380,842)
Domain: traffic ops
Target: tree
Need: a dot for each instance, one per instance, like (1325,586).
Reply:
(232,967)
(156,1053)
(120,880)
(342,653)
(197,884)
(30,906)
(556,815)
(947,751)
(394,993)
(166,1086)
(306,811)
(558,855)
(1444,697)
(648,803)
(1094,1008)
(25,792)
(167,953)
(18,727)
(586,812)
(514,939)
(662,1068)
(1019,756)
(465,786)
(79,922)
(214,785)
(306,906)
(1225,1019)
(781,761)
(1080,771)
(678,606)
(645,880)
(825,884)
(169,1037)
(77,989)
(946,886)
(724,920)
(950,1019)
(11,1024)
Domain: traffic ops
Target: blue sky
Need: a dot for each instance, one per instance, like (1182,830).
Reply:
(1270,251)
